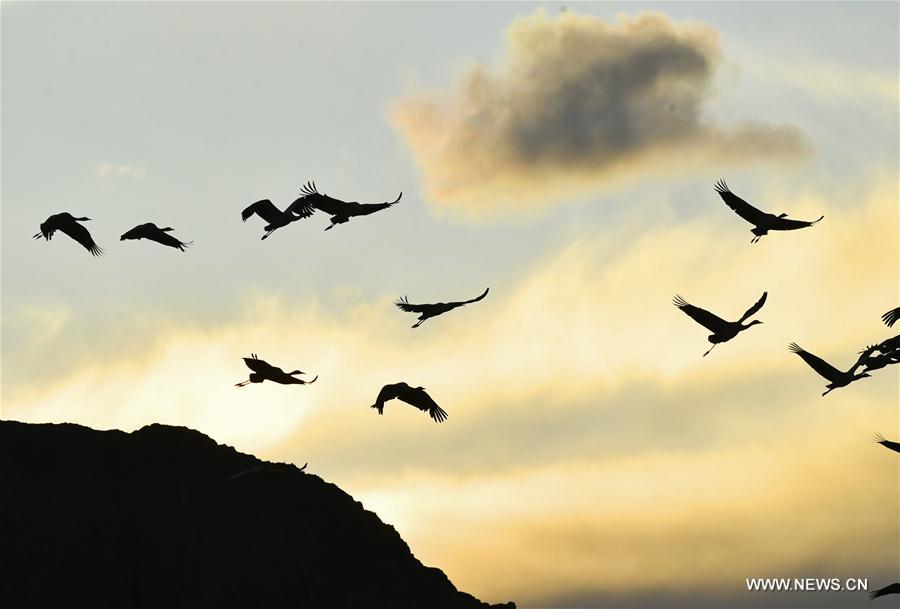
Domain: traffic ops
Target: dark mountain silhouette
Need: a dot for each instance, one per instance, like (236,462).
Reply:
(889,589)
(154,233)
(762,222)
(836,377)
(722,331)
(69,225)
(340,211)
(264,371)
(276,218)
(414,396)
(427,311)
(164,517)
(891,317)
(887,443)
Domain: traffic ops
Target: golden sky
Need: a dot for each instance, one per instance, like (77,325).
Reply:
(592,457)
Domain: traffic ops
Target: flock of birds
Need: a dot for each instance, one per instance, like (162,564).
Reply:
(310,200)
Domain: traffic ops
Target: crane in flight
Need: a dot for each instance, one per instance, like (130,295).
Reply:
(427,311)
(69,225)
(722,331)
(414,396)
(762,222)
(264,371)
(836,378)
(154,233)
(276,218)
(340,211)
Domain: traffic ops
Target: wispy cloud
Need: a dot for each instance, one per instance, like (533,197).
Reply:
(105,169)
(578,104)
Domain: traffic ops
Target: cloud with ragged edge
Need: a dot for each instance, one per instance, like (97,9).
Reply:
(578,104)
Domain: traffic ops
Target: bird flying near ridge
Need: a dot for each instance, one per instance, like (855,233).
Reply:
(427,311)
(894,446)
(722,331)
(836,377)
(69,225)
(154,233)
(340,211)
(264,371)
(414,396)
(762,222)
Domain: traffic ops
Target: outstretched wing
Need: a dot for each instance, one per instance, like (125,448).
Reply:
(302,207)
(752,310)
(787,224)
(740,207)
(824,369)
(405,305)
(703,317)
(265,209)
(260,366)
(891,316)
(80,234)
(421,400)
(390,392)
(887,443)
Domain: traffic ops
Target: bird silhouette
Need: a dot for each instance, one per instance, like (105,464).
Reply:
(889,589)
(891,316)
(835,377)
(427,311)
(154,233)
(722,331)
(414,396)
(340,211)
(894,446)
(276,218)
(264,371)
(69,225)
(762,222)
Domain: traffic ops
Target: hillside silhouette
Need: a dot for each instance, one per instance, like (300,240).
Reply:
(165,517)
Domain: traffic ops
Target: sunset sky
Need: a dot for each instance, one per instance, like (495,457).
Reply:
(563,155)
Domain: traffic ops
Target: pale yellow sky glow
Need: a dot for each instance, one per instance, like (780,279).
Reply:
(592,457)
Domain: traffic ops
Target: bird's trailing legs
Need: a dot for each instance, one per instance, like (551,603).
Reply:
(710,349)
(242,383)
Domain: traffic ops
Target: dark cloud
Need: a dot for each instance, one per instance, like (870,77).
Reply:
(578,103)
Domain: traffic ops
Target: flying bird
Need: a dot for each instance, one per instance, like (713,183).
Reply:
(414,396)
(340,211)
(427,311)
(891,316)
(154,233)
(722,331)
(69,225)
(835,377)
(894,446)
(276,218)
(762,222)
(890,589)
(264,371)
